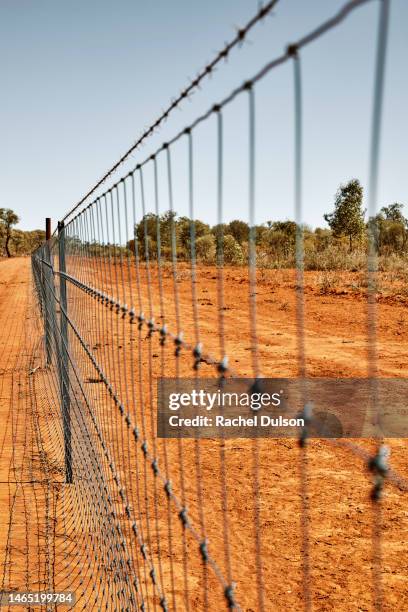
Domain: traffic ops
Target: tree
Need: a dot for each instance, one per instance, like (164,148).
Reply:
(322,238)
(280,238)
(167,225)
(229,250)
(260,232)
(391,229)
(146,235)
(393,212)
(8,218)
(35,239)
(147,227)
(184,227)
(392,237)
(238,229)
(347,219)
(219,230)
(287,227)
(205,248)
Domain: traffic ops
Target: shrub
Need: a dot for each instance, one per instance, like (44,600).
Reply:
(327,282)
(239,230)
(232,251)
(205,248)
(335,258)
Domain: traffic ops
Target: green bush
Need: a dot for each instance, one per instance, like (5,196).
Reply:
(231,251)
(205,249)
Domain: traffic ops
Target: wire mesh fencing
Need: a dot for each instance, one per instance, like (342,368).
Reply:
(130,293)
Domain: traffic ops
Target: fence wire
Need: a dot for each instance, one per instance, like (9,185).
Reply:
(146,523)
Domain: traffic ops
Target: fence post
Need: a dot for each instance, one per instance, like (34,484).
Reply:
(48,275)
(47,228)
(63,356)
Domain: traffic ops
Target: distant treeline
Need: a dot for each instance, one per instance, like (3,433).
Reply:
(21,242)
(341,246)
(275,244)
(17,242)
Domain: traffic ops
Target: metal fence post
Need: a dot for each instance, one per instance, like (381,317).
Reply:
(63,356)
(48,275)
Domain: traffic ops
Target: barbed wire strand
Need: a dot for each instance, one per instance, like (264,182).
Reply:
(222,55)
(275,63)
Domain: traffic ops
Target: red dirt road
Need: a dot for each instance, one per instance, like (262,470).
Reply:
(25,494)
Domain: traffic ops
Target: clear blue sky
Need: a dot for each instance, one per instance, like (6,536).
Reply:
(81,79)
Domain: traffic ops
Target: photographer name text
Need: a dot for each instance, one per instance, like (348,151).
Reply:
(239,421)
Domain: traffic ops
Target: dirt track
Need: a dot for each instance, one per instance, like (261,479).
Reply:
(339,486)
(25,498)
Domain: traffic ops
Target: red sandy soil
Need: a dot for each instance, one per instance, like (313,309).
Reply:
(26,529)
(341,518)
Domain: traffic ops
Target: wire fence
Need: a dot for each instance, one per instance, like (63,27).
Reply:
(151,523)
